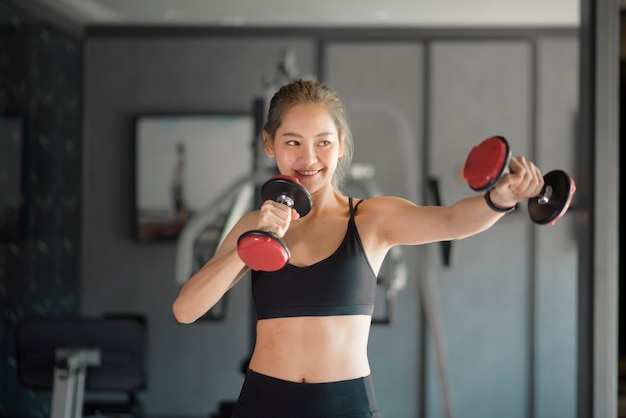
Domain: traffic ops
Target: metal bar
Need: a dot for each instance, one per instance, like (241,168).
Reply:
(69,380)
(531,276)
(605,207)
(598,218)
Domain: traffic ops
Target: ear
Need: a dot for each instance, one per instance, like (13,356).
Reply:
(268,144)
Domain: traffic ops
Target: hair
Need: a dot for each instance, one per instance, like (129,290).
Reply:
(313,92)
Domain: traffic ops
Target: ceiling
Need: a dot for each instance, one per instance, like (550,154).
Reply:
(311,13)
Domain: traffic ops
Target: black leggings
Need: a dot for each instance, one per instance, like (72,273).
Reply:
(267,397)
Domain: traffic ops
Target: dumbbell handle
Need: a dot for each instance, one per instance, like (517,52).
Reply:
(544,196)
(285,200)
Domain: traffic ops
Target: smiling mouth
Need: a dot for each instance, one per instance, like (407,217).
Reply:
(308,172)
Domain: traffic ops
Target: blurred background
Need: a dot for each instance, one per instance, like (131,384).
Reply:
(128,129)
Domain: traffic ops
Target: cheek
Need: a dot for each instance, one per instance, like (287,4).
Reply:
(332,155)
(283,159)
(329,159)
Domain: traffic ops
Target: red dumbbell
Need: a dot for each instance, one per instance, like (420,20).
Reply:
(488,161)
(262,250)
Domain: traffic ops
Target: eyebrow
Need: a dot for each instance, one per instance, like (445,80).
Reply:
(295,135)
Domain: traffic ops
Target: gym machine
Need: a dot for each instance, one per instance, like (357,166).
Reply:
(77,357)
(68,388)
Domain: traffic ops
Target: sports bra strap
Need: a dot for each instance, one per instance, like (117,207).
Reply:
(353,208)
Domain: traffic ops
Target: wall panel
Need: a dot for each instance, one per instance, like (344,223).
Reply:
(479,89)
(556,270)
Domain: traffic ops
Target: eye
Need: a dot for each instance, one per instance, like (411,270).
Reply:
(324,143)
(292,142)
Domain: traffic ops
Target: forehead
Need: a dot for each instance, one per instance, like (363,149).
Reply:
(308,116)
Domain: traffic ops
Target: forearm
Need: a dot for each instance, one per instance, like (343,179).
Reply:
(473,215)
(206,287)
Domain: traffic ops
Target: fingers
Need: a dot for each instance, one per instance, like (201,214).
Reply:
(275,218)
(525,179)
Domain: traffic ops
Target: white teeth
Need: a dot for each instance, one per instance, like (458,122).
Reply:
(307,173)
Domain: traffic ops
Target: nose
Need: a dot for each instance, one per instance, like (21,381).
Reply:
(308,154)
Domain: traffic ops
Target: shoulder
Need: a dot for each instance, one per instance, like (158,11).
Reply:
(390,221)
(374,215)
(383,205)
(381,211)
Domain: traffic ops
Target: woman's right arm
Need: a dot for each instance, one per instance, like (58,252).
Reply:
(207,286)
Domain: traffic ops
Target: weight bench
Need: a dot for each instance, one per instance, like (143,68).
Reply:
(74,357)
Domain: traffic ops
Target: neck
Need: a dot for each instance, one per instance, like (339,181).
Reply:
(324,199)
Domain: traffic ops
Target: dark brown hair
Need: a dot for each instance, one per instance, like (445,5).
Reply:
(313,92)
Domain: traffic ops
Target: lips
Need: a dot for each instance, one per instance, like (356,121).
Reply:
(307,173)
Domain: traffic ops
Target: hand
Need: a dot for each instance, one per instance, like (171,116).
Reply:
(276,218)
(523,181)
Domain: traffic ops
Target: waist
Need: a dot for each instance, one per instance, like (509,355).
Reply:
(312,349)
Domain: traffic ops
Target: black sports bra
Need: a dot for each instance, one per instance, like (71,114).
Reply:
(342,284)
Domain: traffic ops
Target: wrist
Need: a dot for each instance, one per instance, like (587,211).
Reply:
(496,207)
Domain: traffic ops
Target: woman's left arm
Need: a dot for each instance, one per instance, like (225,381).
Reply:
(405,223)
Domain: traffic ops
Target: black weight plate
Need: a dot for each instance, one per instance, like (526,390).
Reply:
(280,185)
(544,213)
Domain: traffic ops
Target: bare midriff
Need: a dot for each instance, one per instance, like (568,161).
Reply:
(312,349)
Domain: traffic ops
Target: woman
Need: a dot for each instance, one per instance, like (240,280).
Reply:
(314,315)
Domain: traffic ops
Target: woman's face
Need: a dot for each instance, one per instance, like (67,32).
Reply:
(306,145)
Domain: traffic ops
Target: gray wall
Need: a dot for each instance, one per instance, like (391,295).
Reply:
(40,187)
(518,279)
(421,95)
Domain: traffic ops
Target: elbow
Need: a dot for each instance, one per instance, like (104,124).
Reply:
(181,314)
